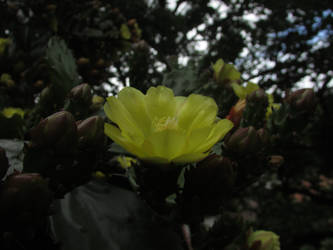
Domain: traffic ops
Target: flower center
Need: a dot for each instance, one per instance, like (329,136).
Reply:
(165,123)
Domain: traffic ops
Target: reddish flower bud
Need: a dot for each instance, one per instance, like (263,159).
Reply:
(244,141)
(91,131)
(81,94)
(302,99)
(236,112)
(57,131)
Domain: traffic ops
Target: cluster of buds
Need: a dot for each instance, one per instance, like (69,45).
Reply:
(246,140)
(60,132)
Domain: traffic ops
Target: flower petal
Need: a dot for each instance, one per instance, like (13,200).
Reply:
(115,134)
(218,131)
(167,144)
(117,113)
(198,111)
(160,102)
(134,101)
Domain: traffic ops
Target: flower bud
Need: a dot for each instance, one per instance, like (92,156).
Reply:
(91,131)
(57,131)
(24,200)
(268,240)
(4,165)
(81,94)
(275,161)
(83,61)
(243,140)
(235,114)
(259,97)
(263,136)
(302,99)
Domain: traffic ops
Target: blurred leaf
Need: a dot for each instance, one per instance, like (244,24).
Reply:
(101,216)
(62,63)
(182,81)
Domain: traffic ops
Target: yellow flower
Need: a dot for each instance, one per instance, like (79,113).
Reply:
(243,92)
(225,72)
(160,127)
(271,106)
(10,112)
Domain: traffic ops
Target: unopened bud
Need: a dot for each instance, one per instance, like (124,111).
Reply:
(83,61)
(91,131)
(268,240)
(275,161)
(100,63)
(24,200)
(235,114)
(244,140)
(258,96)
(57,131)
(4,165)
(81,94)
(302,99)
(263,136)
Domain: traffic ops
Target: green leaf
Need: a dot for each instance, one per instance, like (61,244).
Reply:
(64,74)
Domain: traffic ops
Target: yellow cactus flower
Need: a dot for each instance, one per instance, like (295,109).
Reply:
(163,128)
(10,112)
(243,92)
(225,72)
(271,106)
